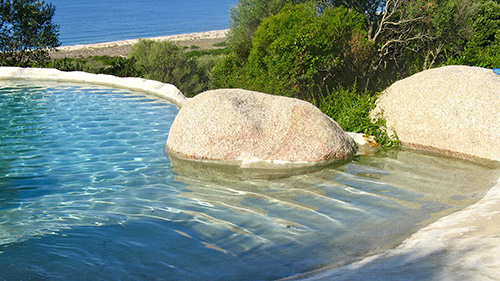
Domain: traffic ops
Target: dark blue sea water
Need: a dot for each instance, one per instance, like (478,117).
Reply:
(95,21)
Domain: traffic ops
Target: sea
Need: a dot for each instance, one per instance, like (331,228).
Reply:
(97,21)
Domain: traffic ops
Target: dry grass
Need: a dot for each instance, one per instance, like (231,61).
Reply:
(202,41)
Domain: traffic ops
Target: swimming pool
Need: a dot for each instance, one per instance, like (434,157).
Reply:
(87,192)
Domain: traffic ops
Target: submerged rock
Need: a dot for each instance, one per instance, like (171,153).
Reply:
(454,109)
(243,127)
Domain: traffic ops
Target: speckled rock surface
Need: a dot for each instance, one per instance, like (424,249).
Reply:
(453,109)
(244,127)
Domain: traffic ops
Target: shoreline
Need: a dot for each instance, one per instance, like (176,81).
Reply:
(122,47)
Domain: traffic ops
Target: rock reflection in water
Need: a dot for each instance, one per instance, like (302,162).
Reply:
(340,211)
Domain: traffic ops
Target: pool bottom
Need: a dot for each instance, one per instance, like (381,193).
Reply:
(136,250)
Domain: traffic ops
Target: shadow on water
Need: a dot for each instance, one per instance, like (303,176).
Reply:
(398,267)
(216,171)
(423,264)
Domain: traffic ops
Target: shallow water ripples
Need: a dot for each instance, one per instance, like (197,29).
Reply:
(64,150)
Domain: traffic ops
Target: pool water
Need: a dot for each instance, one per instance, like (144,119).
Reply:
(87,192)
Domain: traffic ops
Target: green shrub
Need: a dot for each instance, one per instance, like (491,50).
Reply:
(299,52)
(483,49)
(245,18)
(166,62)
(201,53)
(351,110)
(226,74)
(220,44)
(117,66)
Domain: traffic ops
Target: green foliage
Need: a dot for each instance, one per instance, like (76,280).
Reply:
(247,15)
(487,25)
(451,28)
(220,44)
(300,52)
(162,61)
(226,74)
(412,36)
(26,32)
(202,53)
(207,61)
(166,62)
(483,48)
(351,109)
(116,66)
(245,18)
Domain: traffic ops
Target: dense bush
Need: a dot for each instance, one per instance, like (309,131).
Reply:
(245,18)
(483,48)
(351,109)
(206,60)
(117,66)
(300,53)
(166,62)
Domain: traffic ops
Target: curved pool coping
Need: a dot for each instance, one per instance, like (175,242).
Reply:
(462,245)
(162,90)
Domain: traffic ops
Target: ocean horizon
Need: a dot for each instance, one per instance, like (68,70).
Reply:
(97,21)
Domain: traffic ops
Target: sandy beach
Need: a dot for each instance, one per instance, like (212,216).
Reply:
(203,41)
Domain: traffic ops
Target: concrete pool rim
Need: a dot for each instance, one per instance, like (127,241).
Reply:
(162,90)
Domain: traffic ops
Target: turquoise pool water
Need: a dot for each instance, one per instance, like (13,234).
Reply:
(87,192)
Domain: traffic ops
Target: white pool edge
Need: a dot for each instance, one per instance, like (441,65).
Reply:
(162,90)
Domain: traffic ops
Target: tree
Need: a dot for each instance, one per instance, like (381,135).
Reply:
(483,48)
(407,35)
(26,31)
(423,33)
(245,17)
(301,52)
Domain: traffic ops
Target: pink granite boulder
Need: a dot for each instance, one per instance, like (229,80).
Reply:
(239,127)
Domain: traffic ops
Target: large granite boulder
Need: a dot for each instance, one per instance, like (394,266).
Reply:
(242,127)
(453,109)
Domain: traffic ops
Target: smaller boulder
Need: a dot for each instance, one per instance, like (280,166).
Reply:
(242,127)
(452,109)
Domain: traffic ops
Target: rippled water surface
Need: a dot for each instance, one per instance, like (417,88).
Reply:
(86,192)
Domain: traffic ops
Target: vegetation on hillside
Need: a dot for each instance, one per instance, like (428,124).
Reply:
(337,54)
(301,54)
